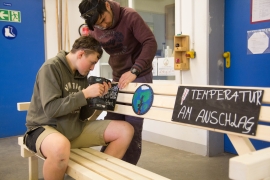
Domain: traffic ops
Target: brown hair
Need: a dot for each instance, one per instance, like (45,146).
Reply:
(88,44)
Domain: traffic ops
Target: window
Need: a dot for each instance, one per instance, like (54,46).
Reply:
(160,18)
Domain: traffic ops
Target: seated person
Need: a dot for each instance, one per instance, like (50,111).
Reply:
(53,121)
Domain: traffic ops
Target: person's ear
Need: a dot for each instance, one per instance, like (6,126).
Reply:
(80,53)
(108,6)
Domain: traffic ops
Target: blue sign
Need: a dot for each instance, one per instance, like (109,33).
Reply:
(142,99)
(9,32)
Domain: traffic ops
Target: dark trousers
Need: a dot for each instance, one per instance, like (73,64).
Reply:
(133,153)
(135,148)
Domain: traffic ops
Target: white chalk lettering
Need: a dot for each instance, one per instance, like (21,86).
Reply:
(213,120)
(225,119)
(212,93)
(205,94)
(226,93)
(206,117)
(219,118)
(259,94)
(184,112)
(221,95)
(252,97)
(189,110)
(199,94)
(249,125)
(235,96)
(200,115)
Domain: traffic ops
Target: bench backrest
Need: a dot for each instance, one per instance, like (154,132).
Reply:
(164,100)
(163,105)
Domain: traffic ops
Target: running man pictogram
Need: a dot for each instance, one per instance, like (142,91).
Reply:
(15,16)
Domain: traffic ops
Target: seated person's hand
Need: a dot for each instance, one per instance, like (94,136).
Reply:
(94,90)
(107,86)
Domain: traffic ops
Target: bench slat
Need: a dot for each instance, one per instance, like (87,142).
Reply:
(103,162)
(95,167)
(23,106)
(265,114)
(171,89)
(263,133)
(80,172)
(123,164)
(161,101)
(154,113)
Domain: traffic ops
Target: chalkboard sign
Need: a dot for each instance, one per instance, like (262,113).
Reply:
(235,110)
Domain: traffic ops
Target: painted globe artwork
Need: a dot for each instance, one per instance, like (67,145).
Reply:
(142,99)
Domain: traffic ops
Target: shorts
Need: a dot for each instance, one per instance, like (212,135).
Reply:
(92,135)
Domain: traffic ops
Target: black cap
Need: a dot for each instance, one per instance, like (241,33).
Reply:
(88,10)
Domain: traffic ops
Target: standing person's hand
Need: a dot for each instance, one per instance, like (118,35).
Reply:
(125,79)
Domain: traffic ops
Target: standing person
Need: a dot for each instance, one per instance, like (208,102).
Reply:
(54,120)
(131,45)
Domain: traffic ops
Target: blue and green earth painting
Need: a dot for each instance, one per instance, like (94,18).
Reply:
(142,99)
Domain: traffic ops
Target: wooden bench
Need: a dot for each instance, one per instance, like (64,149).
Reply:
(88,163)
(162,110)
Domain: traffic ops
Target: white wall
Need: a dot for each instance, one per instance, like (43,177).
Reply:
(51,28)
(192,18)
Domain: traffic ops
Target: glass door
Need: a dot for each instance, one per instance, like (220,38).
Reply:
(161,20)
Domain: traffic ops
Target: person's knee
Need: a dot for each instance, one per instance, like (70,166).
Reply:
(121,130)
(56,147)
(128,130)
(62,150)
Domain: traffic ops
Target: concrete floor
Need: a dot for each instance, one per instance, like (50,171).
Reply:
(171,163)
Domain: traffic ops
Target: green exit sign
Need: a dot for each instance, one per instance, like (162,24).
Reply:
(10,15)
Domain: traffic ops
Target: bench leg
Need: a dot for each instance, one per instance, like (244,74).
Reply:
(33,167)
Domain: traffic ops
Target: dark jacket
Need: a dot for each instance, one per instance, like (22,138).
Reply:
(129,42)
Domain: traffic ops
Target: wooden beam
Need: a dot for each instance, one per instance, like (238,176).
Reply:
(23,106)
(33,167)
(250,166)
(241,144)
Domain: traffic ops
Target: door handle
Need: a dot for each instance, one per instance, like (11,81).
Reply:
(227,55)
